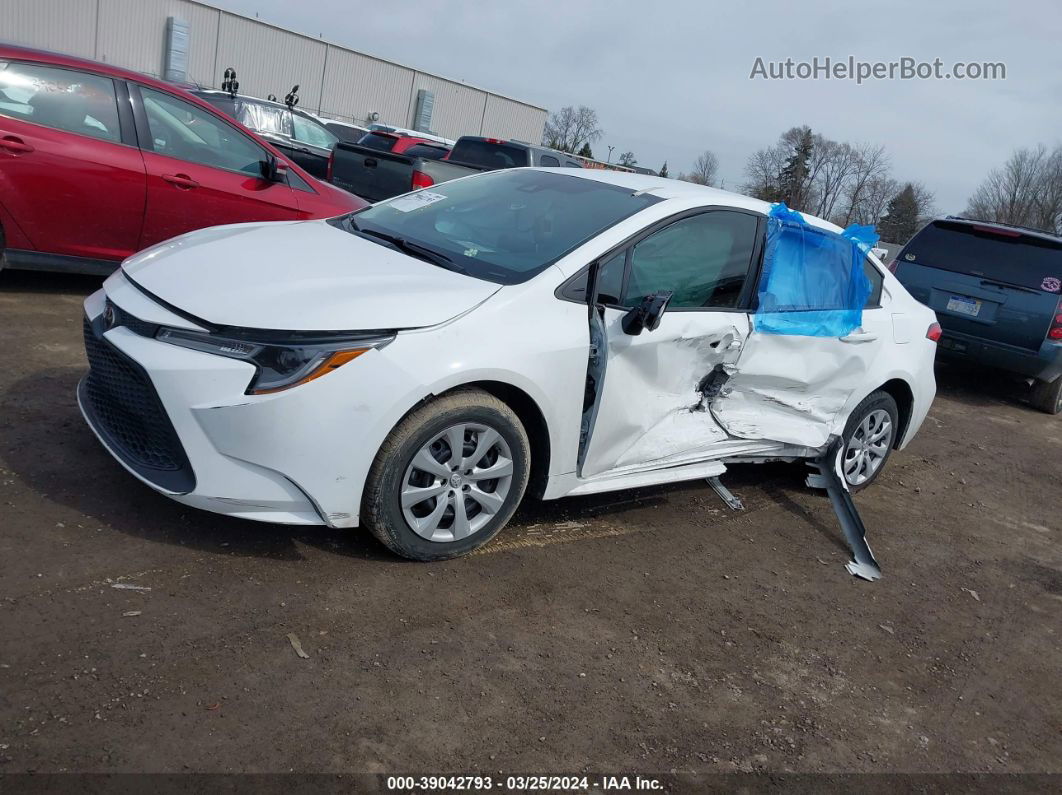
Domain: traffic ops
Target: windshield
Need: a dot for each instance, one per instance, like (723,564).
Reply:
(310,132)
(1001,255)
(502,226)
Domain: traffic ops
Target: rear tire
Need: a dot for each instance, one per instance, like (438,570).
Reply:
(423,501)
(1047,396)
(869,437)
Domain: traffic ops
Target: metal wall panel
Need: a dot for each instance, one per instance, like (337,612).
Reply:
(333,80)
(356,85)
(458,108)
(269,60)
(132,34)
(506,118)
(63,25)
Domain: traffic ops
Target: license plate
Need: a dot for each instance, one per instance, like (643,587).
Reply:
(964,305)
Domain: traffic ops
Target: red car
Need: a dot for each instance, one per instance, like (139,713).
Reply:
(97,163)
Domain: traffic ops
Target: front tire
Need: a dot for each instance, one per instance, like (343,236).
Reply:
(448,478)
(1047,396)
(869,437)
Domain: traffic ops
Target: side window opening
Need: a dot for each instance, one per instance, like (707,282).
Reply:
(704,260)
(62,99)
(187,132)
(876,282)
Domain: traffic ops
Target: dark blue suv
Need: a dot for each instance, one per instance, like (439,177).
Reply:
(996,290)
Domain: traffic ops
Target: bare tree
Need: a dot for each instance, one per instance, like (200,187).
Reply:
(871,163)
(832,179)
(838,164)
(568,129)
(875,199)
(1026,190)
(628,159)
(704,170)
(925,202)
(762,171)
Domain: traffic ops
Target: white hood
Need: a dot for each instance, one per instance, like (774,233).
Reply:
(302,275)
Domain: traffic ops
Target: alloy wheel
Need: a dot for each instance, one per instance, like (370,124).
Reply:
(868,447)
(457,482)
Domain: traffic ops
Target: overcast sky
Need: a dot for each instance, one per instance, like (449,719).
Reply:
(670,79)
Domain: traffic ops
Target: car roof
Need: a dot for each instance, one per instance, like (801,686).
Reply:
(341,123)
(256,100)
(679,190)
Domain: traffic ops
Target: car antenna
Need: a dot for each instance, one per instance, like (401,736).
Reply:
(229,83)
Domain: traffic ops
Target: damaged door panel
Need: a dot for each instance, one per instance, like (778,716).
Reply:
(791,389)
(817,328)
(649,406)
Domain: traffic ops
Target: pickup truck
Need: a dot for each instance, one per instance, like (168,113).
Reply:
(367,170)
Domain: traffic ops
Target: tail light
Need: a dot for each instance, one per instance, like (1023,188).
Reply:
(422,180)
(331,162)
(934,332)
(1056,325)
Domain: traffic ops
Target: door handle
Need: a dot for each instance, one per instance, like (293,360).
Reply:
(182,181)
(15,145)
(370,162)
(857,337)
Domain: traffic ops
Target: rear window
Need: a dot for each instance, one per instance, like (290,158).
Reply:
(484,153)
(345,133)
(1004,256)
(427,151)
(384,143)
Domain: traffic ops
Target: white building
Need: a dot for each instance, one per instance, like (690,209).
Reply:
(186,39)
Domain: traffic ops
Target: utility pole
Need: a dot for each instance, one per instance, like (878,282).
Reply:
(610,154)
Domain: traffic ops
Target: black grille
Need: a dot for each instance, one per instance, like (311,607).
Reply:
(125,409)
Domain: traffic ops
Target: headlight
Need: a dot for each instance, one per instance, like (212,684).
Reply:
(283,364)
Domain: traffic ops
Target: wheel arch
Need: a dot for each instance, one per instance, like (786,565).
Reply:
(533,420)
(902,393)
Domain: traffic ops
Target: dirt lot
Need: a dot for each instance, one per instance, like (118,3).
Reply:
(639,632)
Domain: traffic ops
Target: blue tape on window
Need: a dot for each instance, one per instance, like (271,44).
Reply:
(813,284)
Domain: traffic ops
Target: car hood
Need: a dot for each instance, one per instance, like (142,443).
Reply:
(301,275)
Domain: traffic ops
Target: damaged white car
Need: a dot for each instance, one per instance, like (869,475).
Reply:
(419,365)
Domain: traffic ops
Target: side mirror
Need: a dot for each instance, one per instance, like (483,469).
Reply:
(273,170)
(647,314)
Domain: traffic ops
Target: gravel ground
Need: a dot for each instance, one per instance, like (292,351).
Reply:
(644,631)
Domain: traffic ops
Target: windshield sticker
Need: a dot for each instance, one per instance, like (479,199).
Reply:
(1051,284)
(415,201)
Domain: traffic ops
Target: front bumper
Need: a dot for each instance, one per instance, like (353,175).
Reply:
(295,457)
(1045,364)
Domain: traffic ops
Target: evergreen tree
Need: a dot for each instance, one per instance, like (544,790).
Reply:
(792,181)
(901,219)
(663,169)
(585,151)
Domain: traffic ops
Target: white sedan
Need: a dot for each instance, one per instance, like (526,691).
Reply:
(418,366)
